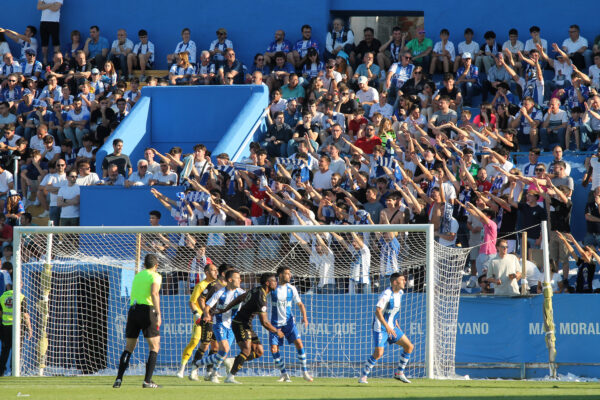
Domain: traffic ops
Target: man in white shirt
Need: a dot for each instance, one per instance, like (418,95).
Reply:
(443,53)
(120,50)
(86,176)
(49,25)
(502,271)
(367,95)
(322,177)
(467,46)
(218,46)
(594,72)
(77,123)
(6,184)
(554,125)
(5,116)
(55,181)
(26,41)
(338,39)
(382,107)
(576,48)
(399,73)
(141,56)
(113,178)
(140,177)
(166,177)
(532,43)
(68,201)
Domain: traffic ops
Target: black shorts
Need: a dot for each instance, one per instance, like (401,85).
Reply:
(244,332)
(143,318)
(206,334)
(48,29)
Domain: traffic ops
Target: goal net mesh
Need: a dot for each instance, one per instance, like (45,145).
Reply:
(78,301)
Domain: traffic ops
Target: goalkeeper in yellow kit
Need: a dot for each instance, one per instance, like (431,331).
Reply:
(201,330)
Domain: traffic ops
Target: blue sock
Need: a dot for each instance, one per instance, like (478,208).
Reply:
(279,362)
(216,359)
(302,359)
(404,357)
(369,366)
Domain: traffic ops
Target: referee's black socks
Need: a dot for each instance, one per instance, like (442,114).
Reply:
(150,366)
(123,364)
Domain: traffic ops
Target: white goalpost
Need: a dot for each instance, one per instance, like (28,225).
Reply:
(76,282)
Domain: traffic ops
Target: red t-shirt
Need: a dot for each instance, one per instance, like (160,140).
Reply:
(255,210)
(367,145)
(354,125)
(7,232)
(484,186)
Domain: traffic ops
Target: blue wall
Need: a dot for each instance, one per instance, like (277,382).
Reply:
(219,117)
(251,25)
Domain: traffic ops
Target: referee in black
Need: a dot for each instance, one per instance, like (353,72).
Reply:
(144,315)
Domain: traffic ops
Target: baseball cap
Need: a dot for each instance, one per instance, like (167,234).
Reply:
(95,71)
(466,54)
(40,103)
(30,51)
(363,79)
(343,54)
(12,192)
(208,261)
(26,92)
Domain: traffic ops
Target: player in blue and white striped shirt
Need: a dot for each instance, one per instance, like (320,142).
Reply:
(222,322)
(282,318)
(386,328)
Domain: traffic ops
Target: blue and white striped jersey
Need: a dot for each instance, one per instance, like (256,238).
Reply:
(221,299)
(389,303)
(14,68)
(360,264)
(400,73)
(281,304)
(302,46)
(389,252)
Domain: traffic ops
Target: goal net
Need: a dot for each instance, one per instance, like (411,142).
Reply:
(77,281)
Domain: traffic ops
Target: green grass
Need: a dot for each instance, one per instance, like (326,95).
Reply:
(90,388)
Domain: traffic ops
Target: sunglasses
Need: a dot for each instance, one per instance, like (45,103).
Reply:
(417,72)
(330,67)
(12,80)
(73,176)
(407,58)
(503,247)
(539,170)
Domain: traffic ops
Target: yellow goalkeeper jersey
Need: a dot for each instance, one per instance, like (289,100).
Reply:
(196,293)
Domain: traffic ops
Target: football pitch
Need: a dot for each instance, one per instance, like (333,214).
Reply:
(89,388)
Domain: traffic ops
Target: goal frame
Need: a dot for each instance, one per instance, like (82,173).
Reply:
(19,231)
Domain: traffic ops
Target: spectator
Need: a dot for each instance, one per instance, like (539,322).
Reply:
(121,161)
(527,122)
(298,56)
(9,66)
(382,107)
(443,54)
(182,70)
(51,186)
(205,71)
(467,46)
(165,177)
(576,48)
(96,47)
(488,51)
(554,125)
(26,41)
(142,56)
(322,178)
(49,25)
(468,80)
(503,271)
(532,43)
(186,45)
(219,46)
(68,200)
(393,47)
(532,214)
(119,51)
(339,39)
(13,209)
(77,124)
(231,66)
(280,44)
(293,90)
(86,176)
(399,73)
(369,70)
(31,67)
(496,76)
(514,46)
(140,177)
(420,48)
(113,177)
(6,117)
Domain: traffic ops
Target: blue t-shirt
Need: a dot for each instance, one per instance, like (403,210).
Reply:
(96,48)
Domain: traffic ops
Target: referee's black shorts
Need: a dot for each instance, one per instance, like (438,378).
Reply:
(206,333)
(141,317)
(49,29)
(244,332)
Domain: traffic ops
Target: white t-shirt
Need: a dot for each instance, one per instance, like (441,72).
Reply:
(437,48)
(49,15)
(51,153)
(594,74)
(322,180)
(88,180)
(529,45)
(557,119)
(453,229)
(562,72)
(139,181)
(472,48)
(84,153)
(67,193)
(573,46)
(127,45)
(324,264)
(595,164)
(367,96)
(36,143)
(141,48)
(501,268)
(327,81)
(5,179)
(513,49)
(170,177)
(57,181)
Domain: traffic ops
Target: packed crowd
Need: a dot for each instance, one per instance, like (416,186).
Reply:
(363,133)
